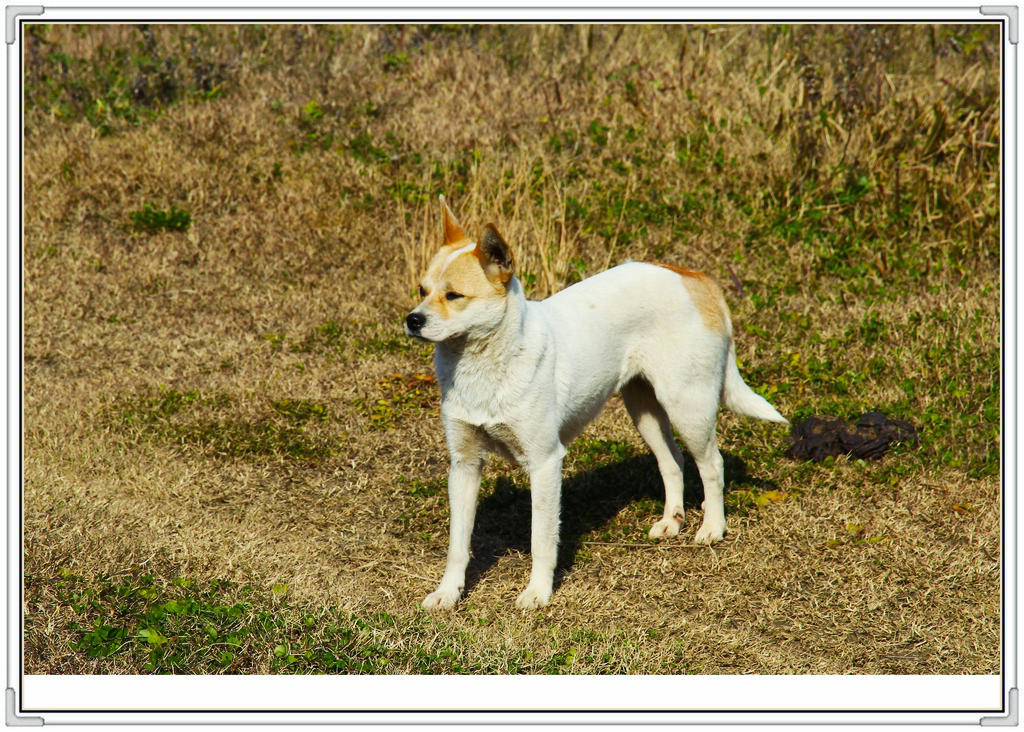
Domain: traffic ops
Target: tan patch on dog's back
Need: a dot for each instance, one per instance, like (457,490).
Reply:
(707,297)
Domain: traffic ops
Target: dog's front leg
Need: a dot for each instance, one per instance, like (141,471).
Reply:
(546,496)
(463,488)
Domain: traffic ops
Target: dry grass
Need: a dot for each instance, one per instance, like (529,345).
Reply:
(221,403)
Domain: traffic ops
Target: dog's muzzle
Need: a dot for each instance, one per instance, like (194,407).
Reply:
(414,323)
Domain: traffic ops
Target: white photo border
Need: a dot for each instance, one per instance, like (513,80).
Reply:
(509,700)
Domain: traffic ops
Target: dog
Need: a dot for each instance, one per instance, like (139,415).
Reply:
(522,378)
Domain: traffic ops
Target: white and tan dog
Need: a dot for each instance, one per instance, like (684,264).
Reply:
(522,379)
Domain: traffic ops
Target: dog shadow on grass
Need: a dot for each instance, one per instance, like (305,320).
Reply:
(590,500)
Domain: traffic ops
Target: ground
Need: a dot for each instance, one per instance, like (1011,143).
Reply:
(233,459)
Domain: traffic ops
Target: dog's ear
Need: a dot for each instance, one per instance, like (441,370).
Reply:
(452,231)
(495,255)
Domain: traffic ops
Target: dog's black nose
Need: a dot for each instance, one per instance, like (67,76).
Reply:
(415,321)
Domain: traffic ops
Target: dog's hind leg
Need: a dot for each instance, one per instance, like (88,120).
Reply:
(712,475)
(694,420)
(690,393)
(653,424)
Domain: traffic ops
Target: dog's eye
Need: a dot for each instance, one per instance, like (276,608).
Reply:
(453,296)
(423,292)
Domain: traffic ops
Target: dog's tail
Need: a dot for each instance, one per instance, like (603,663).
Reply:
(741,399)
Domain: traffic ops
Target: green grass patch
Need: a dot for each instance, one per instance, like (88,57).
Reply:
(142,624)
(300,411)
(312,134)
(344,340)
(123,86)
(139,624)
(399,396)
(223,425)
(591,454)
(151,219)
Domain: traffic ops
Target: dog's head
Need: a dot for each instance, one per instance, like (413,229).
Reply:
(465,286)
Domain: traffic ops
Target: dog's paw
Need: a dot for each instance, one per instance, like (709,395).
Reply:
(709,533)
(532,598)
(441,599)
(666,528)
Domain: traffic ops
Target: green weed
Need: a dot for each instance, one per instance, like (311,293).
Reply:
(192,420)
(362,148)
(395,61)
(418,489)
(141,624)
(311,135)
(120,87)
(151,219)
(399,396)
(591,454)
(362,340)
(300,411)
